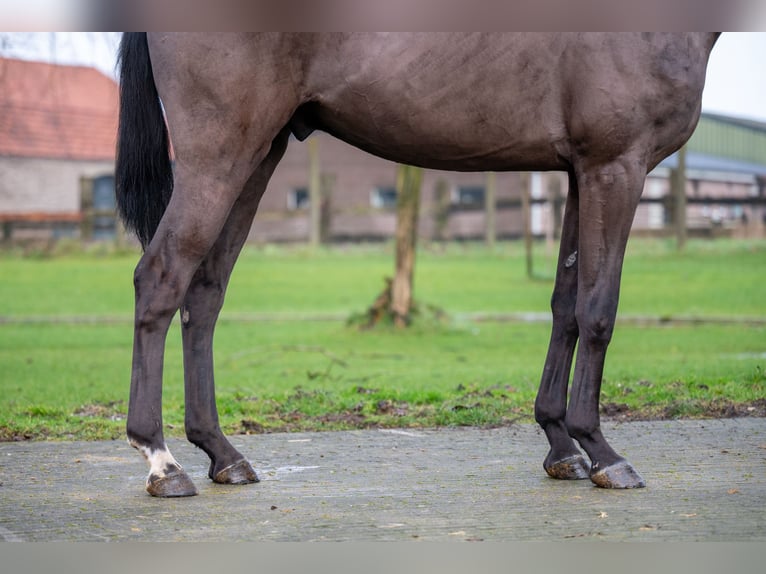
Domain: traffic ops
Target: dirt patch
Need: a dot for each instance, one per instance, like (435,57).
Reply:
(347,419)
(298,422)
(11,435)
(697,409)
(109,410)
(392,408)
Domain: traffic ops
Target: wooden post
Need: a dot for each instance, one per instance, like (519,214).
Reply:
(86,208)
(526,218)
(554,220)
(407,206)
(490,209)
(678,190)
(441,210)
(315,194)
(327,182)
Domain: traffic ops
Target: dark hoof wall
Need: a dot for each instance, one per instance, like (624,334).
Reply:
(619,475)
(238,473)
(570,468)
(171,485)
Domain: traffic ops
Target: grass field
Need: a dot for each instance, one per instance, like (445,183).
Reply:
(62,378)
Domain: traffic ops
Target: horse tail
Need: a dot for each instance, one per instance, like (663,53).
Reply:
(143,172)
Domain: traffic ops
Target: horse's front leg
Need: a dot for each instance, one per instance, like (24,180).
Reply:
(199,313)
(609,195)
(564,459)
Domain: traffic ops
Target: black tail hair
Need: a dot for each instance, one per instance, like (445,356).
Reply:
(143,173)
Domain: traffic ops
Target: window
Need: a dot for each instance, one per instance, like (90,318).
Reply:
(298,198)
(383,197)
(469,196)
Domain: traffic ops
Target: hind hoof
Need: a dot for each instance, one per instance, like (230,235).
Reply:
(238,473)
(171,485)
(570,468)
(618,475)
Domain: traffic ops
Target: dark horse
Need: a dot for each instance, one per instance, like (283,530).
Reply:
(605,108)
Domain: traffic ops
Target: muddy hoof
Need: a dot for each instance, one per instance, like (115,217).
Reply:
(573,467)
(238,473)
(171,485)
(619,475)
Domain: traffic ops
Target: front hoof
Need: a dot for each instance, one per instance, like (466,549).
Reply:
(621,474)
(238,473)
(573,467)
(171,485)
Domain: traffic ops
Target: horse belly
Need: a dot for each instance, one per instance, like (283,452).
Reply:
(460,102)
(457,144)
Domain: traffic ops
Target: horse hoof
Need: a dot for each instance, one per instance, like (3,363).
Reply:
(573,467)
(238,473)
(171,485)
(621,474)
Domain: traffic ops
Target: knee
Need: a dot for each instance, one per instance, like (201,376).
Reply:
(563,312)
(595,327)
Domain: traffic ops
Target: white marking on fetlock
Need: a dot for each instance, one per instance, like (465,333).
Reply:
(160,460)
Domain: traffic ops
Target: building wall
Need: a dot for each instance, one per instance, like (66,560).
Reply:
(53,186)
(736,219)
(40,185)
(356,174)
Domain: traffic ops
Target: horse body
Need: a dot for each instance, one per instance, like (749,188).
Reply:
(484,102)
(424,100)
(606,108)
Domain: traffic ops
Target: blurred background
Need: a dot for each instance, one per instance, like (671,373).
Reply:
(59,98)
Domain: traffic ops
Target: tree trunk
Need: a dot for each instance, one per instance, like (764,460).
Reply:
(407,204)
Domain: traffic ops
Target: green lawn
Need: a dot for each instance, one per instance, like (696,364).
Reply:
(65,380)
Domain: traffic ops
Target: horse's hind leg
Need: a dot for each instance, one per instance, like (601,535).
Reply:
(191,225)
(564,459)
(206,189)
(199,313)
(609,195)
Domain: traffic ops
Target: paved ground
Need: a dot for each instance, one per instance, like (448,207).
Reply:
(706,481)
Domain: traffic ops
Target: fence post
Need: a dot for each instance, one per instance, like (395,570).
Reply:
(7,231)
(441,209)
(526,218)
(315,194)
(327,182)
(678,193)
(554,216)
(490,210)
(86,208)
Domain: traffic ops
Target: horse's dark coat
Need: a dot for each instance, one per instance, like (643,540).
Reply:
(605,108)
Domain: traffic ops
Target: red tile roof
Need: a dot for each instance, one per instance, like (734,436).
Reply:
(59,112)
